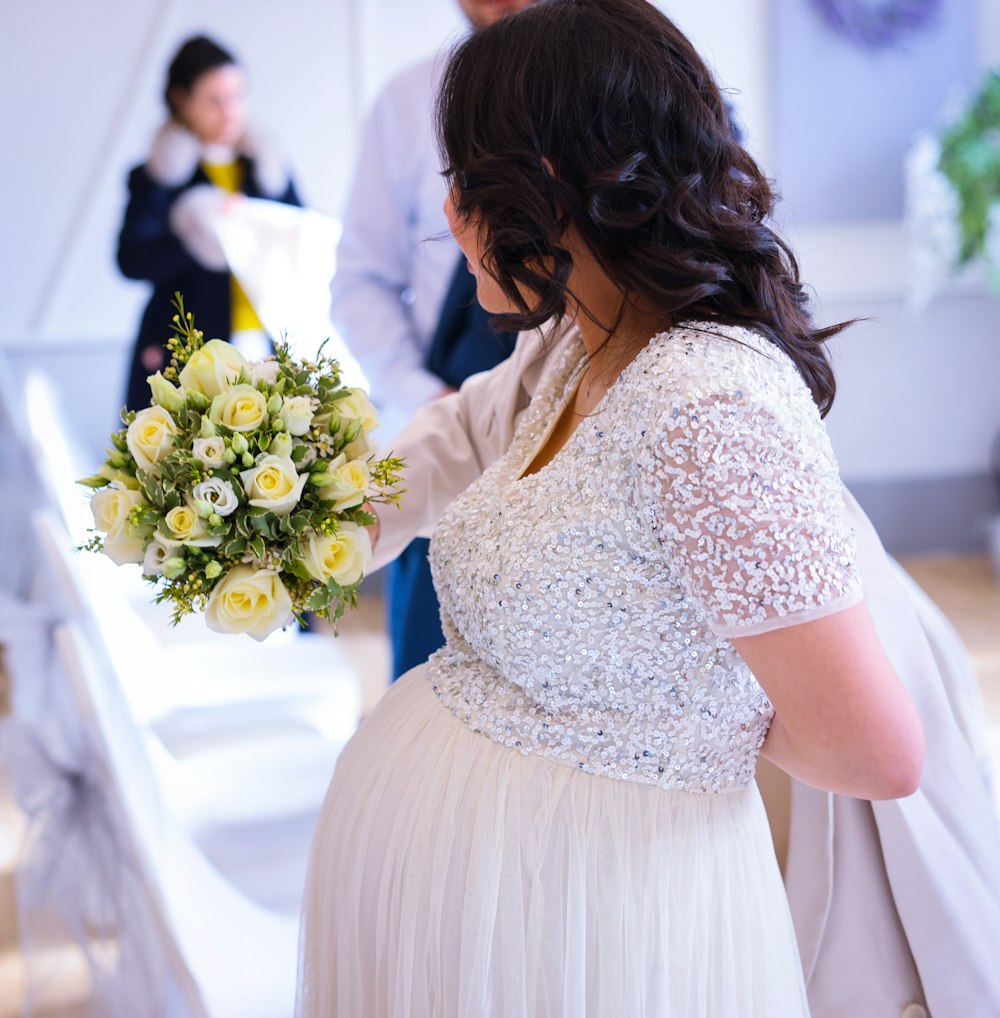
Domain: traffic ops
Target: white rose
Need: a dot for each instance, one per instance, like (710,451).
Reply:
(297,413)
(274,484)
(264,371)
(123,549)
(210,450)
(187,527)
(150,437)
(344,556)
(248,600)
(111,507)
(347,484)
(157,552)
(212,368)
(357,406)
(240,408)
(220,494)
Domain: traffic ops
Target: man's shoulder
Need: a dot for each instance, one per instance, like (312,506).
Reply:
(416,85)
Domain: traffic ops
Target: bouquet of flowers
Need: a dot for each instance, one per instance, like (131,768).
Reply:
(242,489)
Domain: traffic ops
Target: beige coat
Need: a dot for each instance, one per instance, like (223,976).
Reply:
(896,904)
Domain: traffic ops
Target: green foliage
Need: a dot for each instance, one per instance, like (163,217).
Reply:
(970,159)
(183,343)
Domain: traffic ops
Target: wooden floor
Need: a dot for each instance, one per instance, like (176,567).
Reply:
(964,587)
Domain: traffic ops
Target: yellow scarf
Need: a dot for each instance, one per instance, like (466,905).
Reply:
(229,177)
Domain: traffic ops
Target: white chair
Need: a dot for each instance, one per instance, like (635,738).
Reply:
(249,778)
(53,457)
(19,485)
(226,956)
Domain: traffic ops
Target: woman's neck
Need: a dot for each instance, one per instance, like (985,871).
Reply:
(613,326)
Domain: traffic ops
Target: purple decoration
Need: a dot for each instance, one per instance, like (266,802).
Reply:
(876,24)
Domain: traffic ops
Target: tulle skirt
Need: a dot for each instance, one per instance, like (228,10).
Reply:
(452,877)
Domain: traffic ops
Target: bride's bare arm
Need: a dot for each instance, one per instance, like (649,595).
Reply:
(843,720)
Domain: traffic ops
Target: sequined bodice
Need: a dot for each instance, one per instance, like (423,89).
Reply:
(587,606)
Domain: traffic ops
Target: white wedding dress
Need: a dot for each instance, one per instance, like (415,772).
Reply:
(557,814)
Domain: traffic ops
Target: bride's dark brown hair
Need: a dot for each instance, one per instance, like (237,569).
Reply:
(601,115)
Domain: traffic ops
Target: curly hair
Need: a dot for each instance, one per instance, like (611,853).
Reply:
(600,114)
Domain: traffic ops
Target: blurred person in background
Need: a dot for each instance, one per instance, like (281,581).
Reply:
(203,156)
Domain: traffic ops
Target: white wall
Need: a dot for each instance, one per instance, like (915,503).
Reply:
(917,394)
(89,78)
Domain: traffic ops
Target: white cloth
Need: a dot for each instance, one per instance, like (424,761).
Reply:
(283,257)
(926,871)
(396,255)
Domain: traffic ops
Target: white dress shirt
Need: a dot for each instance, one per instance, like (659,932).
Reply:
(396,255)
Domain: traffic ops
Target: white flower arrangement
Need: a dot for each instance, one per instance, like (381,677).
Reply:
(242,490)
(952,196)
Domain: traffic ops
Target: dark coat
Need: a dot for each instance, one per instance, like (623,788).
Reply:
(148,249)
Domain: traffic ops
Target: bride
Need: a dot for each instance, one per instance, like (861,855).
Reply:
(656,582)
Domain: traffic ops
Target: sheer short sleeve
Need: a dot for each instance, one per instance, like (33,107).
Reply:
(743,491)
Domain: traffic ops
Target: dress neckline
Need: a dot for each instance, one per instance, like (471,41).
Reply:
(560,390)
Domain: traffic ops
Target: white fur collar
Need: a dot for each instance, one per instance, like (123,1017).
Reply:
(176,152)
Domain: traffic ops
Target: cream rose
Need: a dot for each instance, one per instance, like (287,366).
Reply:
(211,451)
(218,493)
(248,600)
(344,556)
(240,407)
(357,407)
(264,371)
(274,484)
(212,368)
(182,521)
(111,507)
(297,413)
(187,527)
(347,483)
(361,447)
(150,437)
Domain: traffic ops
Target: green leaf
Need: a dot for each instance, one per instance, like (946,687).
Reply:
(232,548)
(297,568)
(318,600)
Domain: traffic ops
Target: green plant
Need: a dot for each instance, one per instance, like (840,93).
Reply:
(970,159)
